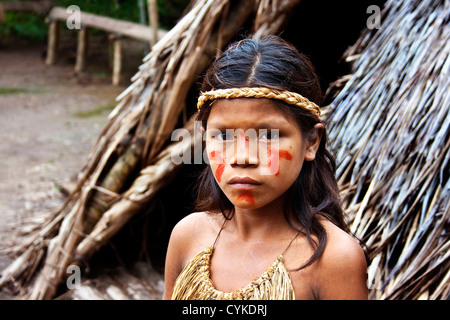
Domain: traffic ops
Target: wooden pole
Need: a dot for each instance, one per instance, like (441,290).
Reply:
(52,42)
(117,59)
(2,13)
(153,19)
(80,64)
(125,28)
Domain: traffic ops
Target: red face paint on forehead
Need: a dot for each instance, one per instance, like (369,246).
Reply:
(247,196)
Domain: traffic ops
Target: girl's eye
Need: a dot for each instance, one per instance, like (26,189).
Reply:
(223,136)
(272,134)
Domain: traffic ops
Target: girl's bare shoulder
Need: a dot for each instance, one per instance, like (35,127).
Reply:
(196,231)
(204,220)
(342,266)
(341,245)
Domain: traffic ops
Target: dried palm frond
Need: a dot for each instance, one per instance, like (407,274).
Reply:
(390,126)
(272,15)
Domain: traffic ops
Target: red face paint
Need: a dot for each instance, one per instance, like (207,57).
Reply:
(246,195)
(274,156)
(219,172)
(216,156)
(285,154)
(244,144)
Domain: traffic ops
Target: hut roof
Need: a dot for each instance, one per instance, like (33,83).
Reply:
(390,125)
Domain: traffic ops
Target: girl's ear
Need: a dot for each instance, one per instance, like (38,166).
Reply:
(313,141)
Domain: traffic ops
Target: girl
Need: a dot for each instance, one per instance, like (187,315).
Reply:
(270,224)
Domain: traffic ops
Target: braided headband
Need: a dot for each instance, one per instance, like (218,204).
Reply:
(286,96)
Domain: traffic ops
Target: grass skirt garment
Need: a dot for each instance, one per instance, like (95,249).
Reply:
(194,282)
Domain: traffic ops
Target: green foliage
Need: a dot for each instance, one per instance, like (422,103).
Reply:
(24,25)
(101,110)
(124,10)
(4,90)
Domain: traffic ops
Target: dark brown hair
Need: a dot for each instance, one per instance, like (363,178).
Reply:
(273,63)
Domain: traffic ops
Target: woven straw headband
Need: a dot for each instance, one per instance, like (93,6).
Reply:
(286,96)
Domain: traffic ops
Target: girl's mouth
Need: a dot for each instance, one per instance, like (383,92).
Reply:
(243,183)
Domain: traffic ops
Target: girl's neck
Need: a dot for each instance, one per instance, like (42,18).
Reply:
(261,223)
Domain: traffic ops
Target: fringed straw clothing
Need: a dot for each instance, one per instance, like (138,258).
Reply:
(194,282)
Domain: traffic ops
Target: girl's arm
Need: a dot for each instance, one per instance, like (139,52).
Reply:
(189,236)
(173,264)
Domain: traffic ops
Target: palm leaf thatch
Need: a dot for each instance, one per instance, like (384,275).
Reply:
(109,192)
(391,127)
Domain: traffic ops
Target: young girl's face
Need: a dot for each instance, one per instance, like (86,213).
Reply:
(255,150)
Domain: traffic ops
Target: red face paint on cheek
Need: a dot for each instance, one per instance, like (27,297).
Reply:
(216,156)
(219,172)
(274,157)
(285,154)
(246,196)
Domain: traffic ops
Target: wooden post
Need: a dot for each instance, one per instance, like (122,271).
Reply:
(117,59)
(81,50)
(2,13)
(52,46)
(153,19)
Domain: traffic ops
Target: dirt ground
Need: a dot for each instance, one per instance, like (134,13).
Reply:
(50,119)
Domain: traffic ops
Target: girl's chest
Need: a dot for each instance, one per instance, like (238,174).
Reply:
(231,270)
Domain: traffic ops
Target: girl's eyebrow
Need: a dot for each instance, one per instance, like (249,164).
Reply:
(267,125)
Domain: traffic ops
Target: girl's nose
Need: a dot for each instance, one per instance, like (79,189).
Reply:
(245,151)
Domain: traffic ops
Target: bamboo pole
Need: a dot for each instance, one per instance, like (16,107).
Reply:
(2,13)
(152,8)
(117,59)
(80,63)
(52,45)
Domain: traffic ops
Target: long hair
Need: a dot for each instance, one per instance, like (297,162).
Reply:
(273,63)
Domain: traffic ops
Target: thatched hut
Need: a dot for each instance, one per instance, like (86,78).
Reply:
(389,124)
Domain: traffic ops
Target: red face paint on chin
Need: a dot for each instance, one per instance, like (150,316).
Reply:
(216,156)
(246,195)
(274,156)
